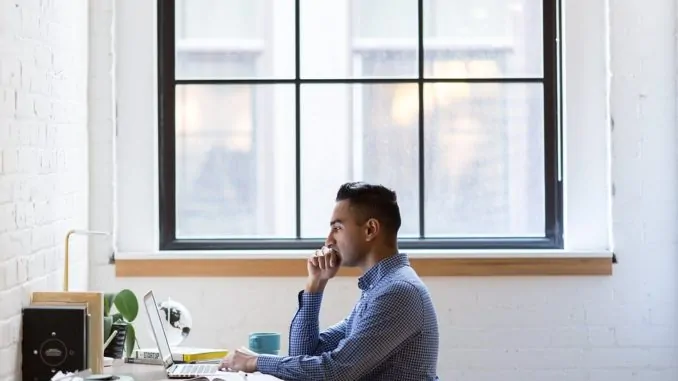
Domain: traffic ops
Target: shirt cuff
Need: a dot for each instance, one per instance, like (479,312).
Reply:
(310,301)
(268,364)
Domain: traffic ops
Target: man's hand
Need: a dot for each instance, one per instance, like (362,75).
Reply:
(239,361)
(322,266)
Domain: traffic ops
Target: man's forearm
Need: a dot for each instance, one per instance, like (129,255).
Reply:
(314,286)
(304,330)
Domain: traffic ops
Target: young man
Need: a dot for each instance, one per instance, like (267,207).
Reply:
(392,332)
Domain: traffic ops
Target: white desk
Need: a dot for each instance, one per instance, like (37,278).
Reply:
(140,372)
(143,372)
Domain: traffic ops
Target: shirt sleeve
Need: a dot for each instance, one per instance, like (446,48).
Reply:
(389,320)
(305,335)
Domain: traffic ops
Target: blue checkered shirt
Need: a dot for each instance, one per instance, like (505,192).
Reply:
(391,334)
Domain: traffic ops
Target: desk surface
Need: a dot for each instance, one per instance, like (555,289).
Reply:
(140,372)
(143,372)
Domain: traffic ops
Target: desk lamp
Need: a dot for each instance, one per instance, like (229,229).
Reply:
(66,258)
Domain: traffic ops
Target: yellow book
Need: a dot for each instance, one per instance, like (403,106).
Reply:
(204,355)
(183,354)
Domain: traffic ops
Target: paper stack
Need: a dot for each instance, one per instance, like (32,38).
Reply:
(77,376)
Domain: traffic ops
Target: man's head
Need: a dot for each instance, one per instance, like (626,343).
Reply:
(365,217)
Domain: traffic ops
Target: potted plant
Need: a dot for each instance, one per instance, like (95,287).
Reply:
(120,320)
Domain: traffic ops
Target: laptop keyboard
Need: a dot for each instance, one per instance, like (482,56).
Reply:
(196,369)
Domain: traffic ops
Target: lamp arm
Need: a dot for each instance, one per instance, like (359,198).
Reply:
(66,259)
(67,249)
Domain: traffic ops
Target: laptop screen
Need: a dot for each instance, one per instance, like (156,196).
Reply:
(158,330)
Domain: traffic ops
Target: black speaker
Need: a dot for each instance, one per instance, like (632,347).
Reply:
(54,339)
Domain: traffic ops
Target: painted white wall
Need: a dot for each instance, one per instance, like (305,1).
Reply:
(622,327)
(44,163)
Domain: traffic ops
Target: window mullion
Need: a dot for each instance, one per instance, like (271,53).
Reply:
(297,117)
(421,139)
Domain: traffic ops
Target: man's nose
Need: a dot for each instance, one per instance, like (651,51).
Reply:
(329,241)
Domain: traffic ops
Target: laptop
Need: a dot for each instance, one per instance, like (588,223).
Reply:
(172,369)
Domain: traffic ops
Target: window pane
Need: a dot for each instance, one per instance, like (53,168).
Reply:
(484,160)
(232,142)
(386,20)
(219,19)
(332,29)
(390,148)
(214,38)
(352,133)
(205,65)
(485,29)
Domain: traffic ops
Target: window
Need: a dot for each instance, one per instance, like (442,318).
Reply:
(267,106)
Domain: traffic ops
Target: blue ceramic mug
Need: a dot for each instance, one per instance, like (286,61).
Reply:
(267,343)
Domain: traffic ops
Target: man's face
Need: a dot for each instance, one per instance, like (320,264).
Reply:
(347,235)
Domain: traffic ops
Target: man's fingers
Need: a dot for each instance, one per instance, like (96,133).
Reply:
(314,258)
(334,259)
(223,365)
(324,259)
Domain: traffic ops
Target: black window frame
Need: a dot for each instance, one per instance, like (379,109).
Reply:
(553,183)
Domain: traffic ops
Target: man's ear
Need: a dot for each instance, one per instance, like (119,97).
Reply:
(372,228)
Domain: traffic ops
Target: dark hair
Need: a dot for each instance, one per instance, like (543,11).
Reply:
(372,201)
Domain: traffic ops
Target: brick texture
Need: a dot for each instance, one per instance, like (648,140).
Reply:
(43,155)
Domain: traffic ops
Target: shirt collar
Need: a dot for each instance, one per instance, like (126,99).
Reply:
(383,267)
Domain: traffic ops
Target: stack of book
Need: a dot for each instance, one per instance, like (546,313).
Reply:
(179,355)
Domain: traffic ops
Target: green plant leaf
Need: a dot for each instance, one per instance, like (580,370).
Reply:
(130,339)
(127,304)
(117,317)
(108,303)
(108,323)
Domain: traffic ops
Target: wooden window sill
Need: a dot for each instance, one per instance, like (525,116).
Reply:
(425,267)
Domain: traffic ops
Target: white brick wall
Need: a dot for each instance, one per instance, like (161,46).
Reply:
(622,328)
(43,156)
